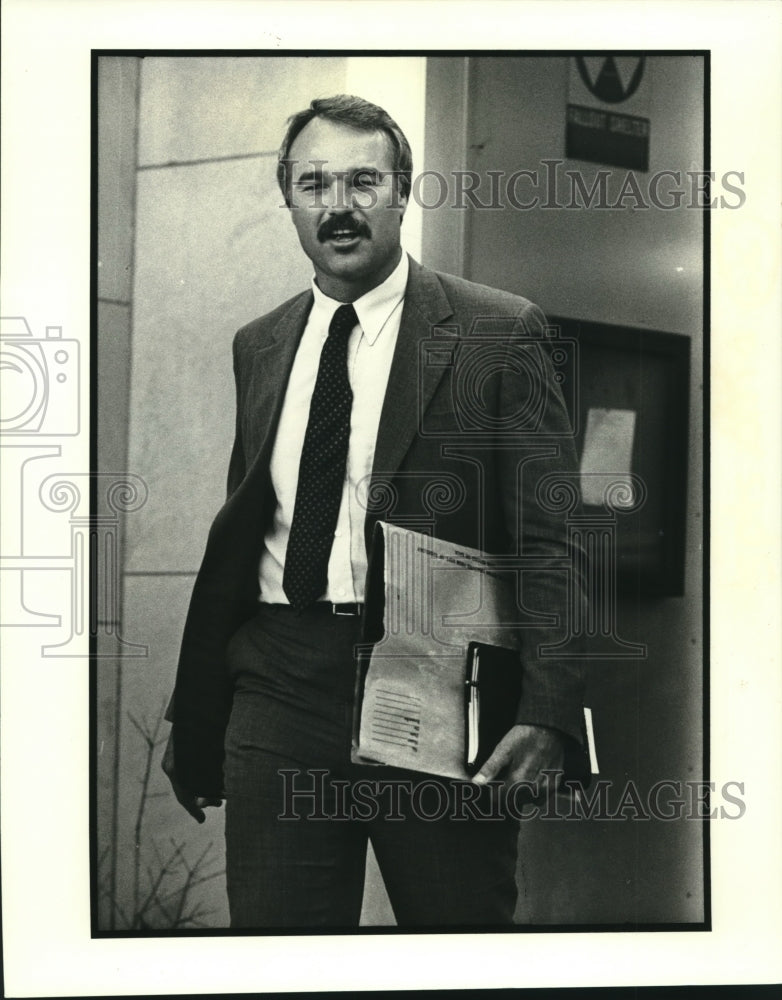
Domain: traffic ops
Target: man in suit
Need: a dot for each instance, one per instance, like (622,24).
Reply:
(339,424)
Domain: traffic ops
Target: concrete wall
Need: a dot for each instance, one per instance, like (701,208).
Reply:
(117,114)
(640,268)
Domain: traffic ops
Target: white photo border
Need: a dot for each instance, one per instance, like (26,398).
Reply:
(48,950)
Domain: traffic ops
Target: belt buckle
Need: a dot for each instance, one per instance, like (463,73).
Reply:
(353,613)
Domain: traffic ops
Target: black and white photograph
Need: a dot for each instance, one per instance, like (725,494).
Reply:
(472,404)
(384,525)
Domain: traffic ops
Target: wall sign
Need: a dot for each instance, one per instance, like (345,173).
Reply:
(607,112)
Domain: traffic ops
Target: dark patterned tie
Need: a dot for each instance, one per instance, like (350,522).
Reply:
(322,469)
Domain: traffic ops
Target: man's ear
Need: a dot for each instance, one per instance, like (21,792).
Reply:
(402,200)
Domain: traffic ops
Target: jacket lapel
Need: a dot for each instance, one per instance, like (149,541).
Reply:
(411,382)
(271,367)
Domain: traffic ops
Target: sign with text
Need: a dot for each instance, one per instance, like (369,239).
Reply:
(607,111)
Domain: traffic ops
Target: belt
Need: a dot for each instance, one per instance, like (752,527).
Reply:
(343,610)
(355,610)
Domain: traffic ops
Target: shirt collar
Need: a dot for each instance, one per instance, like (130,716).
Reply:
(374,308)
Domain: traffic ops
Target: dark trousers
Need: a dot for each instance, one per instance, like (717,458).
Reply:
(299,814)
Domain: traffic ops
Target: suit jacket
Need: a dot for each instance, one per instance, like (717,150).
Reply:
(472,423)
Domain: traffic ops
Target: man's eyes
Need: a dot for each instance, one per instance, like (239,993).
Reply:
(364,179)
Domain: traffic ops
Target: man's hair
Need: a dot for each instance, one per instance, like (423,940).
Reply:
(355,112)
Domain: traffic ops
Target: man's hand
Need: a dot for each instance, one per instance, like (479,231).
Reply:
(523,754)
(194,804)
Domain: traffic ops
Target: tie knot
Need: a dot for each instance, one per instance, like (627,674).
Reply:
(343,320)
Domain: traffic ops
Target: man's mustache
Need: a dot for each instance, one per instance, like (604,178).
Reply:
(343,224)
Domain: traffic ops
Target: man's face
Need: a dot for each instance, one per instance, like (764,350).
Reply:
(345,206)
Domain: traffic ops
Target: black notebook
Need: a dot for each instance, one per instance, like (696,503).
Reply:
(492,693)
(493,688)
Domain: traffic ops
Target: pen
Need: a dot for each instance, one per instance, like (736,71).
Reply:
(473,709)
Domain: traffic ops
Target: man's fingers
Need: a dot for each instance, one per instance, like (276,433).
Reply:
(195,804)
(188,802)
(495,763)
(526,754)
(198,814)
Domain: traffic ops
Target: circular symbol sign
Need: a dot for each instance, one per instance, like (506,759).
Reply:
(611,79)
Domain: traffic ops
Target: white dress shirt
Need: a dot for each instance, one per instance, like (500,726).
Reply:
(370,351)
